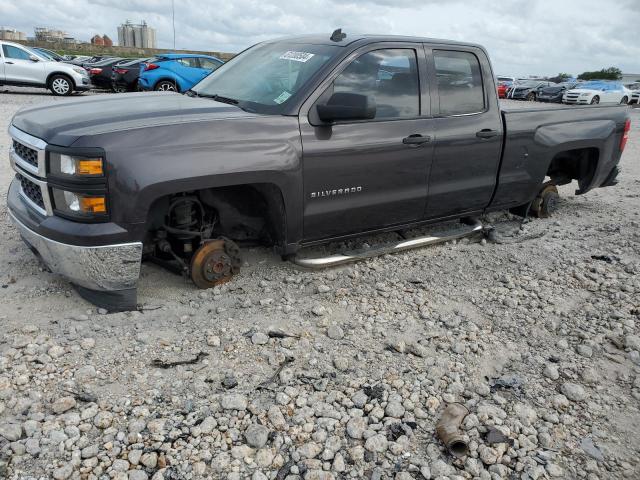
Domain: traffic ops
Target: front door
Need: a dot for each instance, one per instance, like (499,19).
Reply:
(19,68)
(468,129)
(366,175)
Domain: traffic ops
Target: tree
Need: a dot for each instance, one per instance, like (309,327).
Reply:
(561,77)
(611,73)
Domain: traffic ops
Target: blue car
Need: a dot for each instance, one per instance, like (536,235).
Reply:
(174,72)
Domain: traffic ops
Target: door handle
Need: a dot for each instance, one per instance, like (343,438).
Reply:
(9,63)
(416,139)
(486,133)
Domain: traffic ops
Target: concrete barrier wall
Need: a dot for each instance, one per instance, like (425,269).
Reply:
(89,49)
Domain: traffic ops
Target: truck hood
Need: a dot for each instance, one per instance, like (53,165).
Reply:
(62,123)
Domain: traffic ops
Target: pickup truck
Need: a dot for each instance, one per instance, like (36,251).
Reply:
(294,142)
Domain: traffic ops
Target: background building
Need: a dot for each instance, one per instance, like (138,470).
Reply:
(140,36)
(97,40)
(11,34)
(46,34)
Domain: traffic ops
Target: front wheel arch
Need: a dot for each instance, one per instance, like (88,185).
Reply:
(68,77)
(256,206)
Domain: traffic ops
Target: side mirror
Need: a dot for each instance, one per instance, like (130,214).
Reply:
(33,58)
(347,106)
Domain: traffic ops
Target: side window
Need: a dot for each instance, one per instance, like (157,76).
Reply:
(390,77)
(14,52)
(209,64)
(189,62)
(459,82)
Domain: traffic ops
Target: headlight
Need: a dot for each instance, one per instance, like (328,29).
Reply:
(586,94)
(79,70)
(79,204)
(61,164)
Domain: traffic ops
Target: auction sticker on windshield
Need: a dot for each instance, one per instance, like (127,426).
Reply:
(296,56)
(283,97)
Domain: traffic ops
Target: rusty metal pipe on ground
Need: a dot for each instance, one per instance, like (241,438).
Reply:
(448,429)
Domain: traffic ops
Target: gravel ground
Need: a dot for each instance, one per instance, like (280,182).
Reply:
(341,373)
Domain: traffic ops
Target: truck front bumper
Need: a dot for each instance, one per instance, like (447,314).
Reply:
(106,275)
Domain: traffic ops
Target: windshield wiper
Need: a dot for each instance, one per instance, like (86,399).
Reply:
(216,97)
(220,98)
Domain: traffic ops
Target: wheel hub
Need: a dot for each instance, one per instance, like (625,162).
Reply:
(215,262)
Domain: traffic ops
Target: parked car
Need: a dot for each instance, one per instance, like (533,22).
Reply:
(77,59)
(289,145)
(635,93)
(595,92)
(124,76)
(554,93)
(526,89)
(100,72)
(50,54)
(24,67)
(85,61)
(176,72)
(506,80)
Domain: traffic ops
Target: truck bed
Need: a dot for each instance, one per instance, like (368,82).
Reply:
(534,136)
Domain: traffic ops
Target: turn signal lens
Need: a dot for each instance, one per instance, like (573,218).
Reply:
(90,167)
(93,205)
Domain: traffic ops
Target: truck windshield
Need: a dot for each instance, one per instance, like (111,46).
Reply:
(264,77)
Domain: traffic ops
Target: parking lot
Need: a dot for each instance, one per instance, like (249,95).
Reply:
(539,335)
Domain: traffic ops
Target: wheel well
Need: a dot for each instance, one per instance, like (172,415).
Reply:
(53,74)
(249,213)
(167,79)
(578,164)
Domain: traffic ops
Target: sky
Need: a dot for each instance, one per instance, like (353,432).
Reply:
(523,37)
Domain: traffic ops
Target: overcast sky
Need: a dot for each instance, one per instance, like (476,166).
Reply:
(523,36)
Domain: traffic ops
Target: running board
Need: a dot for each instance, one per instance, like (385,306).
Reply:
(463,231)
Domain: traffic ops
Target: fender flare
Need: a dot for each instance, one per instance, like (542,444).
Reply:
(58,72)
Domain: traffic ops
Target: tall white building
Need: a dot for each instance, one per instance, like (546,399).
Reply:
(11,34)
(139,36)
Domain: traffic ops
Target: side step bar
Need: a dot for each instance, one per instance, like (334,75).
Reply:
(465,230)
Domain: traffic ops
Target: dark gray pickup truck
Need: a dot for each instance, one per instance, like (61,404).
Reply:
(292,143)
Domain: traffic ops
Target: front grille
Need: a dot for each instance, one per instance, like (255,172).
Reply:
(32,191)
(27,154)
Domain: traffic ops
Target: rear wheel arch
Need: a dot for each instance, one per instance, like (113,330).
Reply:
(168,79)
(577,164)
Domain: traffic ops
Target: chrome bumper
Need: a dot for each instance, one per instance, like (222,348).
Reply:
(101,268)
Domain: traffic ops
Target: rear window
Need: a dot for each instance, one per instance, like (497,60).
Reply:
(130,63)
(189,62)
(459,77)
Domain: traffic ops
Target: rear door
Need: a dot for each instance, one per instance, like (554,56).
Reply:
(468,131)
(365,175)
(189,69)
(208,65)
(19,68)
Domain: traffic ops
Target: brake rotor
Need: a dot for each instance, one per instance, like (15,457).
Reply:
(546,202)
(215,262)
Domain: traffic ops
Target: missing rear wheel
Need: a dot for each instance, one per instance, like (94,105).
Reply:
(546,203)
